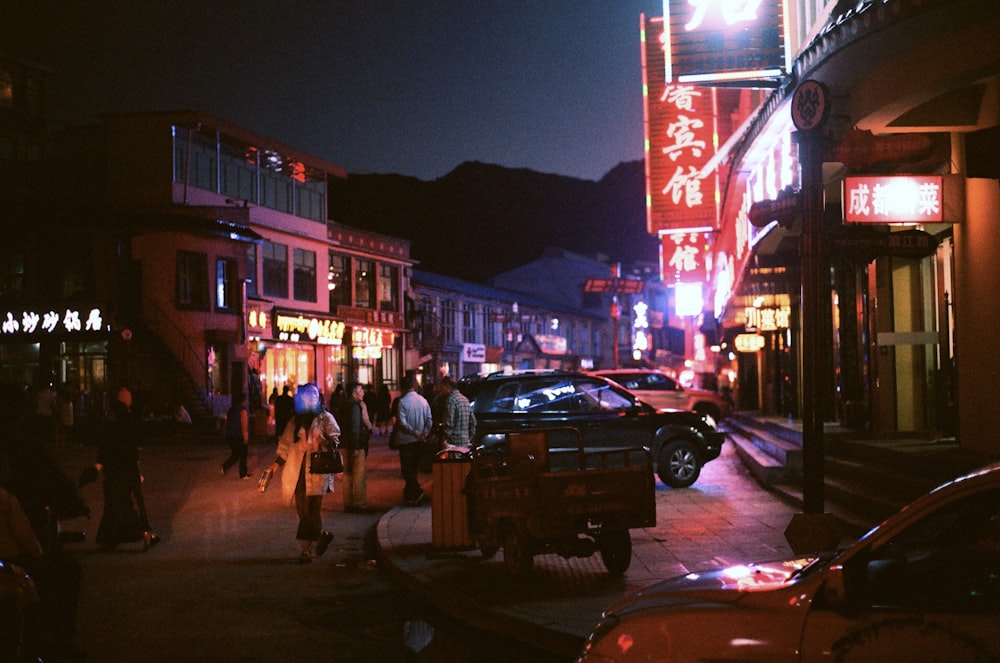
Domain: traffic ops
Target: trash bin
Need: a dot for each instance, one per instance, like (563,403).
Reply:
(449,509)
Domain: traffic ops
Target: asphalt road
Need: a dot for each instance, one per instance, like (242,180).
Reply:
(224,584)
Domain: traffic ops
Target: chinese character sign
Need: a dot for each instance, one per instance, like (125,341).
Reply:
(42,323)
(724,40)
(899,199)
(680,141)
(686,257)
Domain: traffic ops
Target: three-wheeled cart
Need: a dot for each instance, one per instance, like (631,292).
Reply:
(530,499)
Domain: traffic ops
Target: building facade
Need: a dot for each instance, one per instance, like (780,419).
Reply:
(907,90)
(461,328)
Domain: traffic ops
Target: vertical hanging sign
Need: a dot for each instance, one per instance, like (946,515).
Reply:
(680,141)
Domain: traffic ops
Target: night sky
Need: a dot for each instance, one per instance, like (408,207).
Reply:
(414,87)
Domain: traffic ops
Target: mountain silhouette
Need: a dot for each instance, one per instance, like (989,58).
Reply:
(482,219)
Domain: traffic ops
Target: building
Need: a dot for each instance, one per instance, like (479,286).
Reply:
(196,260)
(463,328)
(897,93)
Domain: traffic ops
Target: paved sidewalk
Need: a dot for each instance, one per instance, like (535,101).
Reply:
(726,518)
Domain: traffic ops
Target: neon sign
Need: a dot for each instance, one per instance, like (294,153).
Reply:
(767,319)
(907,199)
(724,41)
(686,257)
(324,331)
(52,322)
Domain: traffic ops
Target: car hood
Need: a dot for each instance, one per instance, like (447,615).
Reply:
(717,586)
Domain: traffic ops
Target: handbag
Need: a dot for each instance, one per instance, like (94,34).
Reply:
(325,461)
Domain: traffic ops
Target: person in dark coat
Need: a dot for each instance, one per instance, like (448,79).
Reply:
(355,432)
(124,519)
(284,408)
(238,435)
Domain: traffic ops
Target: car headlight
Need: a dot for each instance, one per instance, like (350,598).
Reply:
(607,624)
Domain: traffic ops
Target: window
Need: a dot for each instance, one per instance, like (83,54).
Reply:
(449,320)
(492,326)
(11,272)
(948,561)
(470,328)
(252,290)
(275,259)
(338,281)
(364,284)
(238,166)
(192,280)
(388,288)
(227,290)
(304,275)
(6,87)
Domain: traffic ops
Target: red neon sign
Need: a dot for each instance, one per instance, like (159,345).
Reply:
(686,257)
(680,140)
(900,199)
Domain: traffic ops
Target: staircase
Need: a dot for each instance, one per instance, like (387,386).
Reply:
(167,368)
(865,480)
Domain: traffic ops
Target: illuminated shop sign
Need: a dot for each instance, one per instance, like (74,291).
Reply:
(681,139)
(551,344)
(901,199)
(749,342)
(724,41)
(369,342)
(258,322)
(767,319)
(294,328)
(473,352)
(40,323)
(640,330)
(686,257)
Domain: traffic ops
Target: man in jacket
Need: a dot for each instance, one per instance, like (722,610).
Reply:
(355,431)
(459,421)
(413,425)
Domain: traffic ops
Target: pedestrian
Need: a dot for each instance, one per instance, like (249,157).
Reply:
(411,428)
(459,422)
(383,405)
(31,544)
(45,413)
(284,408)
(337,398)
(237,435)
(124,519)
(64,417)
(355,433)
(312,429)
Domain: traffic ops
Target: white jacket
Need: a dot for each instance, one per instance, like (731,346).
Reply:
(322,432)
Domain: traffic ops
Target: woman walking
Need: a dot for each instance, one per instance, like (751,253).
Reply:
(314,429)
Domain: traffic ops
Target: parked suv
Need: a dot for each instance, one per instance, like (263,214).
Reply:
(605,414)
(662,391)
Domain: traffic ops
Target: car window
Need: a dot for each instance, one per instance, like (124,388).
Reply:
(649,381)
(548,395)
(504,400)
(601,396)
(948,561)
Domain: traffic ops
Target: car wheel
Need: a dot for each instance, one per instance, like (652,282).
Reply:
(678,465)
(616,550)
(517,556)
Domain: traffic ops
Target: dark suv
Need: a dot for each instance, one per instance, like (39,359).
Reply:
(606,415)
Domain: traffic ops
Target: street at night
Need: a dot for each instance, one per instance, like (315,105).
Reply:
(224,584)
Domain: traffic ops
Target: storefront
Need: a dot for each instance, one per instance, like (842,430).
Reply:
(294,347)
(65,348)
